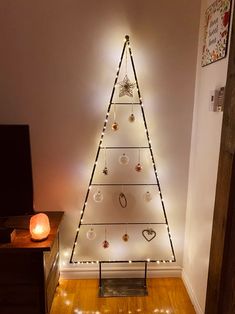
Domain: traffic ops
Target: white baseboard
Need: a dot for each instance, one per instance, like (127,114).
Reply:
(191,294)
(114,272)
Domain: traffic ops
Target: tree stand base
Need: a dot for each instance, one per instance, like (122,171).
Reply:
(123,287)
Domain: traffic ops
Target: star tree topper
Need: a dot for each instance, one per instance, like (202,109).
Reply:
(126,87)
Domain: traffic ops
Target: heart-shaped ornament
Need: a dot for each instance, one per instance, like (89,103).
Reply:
(149,234)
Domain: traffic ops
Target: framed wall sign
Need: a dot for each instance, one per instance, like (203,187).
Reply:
(216,31)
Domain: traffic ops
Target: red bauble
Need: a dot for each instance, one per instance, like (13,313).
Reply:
(105,244)
(138,167)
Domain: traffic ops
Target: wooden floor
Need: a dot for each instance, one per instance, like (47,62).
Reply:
(165,296)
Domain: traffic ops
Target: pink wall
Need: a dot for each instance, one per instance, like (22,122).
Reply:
(58,60)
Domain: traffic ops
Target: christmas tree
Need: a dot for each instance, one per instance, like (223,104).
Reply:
(123,218)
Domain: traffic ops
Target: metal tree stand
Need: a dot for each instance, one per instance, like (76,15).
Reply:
(122,287)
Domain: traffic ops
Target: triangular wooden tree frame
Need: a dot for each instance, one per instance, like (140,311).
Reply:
(127,48)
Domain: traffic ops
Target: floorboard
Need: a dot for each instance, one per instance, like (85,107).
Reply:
(165,296)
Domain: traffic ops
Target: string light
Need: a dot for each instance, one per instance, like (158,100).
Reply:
(118,261)
(67,302)
(126,46)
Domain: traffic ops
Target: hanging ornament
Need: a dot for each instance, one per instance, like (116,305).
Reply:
(149,234)
(138,167)
(105,243)
(98,197)
(148,196)
(105,170)
(131,116)
(125,237)
(126,86)
(115,126)
(91,234)
(123,159)
(122,200)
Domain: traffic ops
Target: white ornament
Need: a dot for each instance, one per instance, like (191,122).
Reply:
(131,117)
(91,234)
(123,159)
(148,196)
(98,197)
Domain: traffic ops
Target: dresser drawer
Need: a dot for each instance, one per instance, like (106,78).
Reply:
(21,268)
(52,282)
(49,257)
(29,270)
(19,295)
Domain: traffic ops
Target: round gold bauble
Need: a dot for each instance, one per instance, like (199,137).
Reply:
(115,126)
(125,237)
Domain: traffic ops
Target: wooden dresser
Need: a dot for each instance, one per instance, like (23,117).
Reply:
(29,271)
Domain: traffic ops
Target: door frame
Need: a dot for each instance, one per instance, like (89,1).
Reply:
(221,277)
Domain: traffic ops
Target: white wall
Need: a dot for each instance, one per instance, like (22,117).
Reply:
(58,60)
(204,156)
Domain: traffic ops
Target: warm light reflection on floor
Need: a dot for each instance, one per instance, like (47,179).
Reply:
(77,311)
(165,296)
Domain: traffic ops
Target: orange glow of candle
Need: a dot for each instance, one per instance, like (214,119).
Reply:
(39,227)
